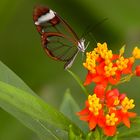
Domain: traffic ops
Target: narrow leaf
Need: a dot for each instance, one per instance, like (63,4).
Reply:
(112,138)
(9,77)
(72,135)
(69,107)
(35,113)
(89,136)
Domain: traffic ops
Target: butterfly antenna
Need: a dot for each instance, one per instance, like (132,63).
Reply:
(90,28)
(87,45)
(93,38)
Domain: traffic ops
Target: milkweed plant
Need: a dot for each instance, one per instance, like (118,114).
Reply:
(106,107)
(106,114)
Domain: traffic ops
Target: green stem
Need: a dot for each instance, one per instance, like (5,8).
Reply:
(125,79)
(105,138)
(108,87)
(78,80)
(97,134)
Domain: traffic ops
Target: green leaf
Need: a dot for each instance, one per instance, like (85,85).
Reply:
(77,79)
(132,132)
(9,77)
(97,134)
(69,107)
(73,136)
(94,135)
(35,113)
(89,136)
(112,138)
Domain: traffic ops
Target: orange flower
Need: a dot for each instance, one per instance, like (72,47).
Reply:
(99,78)
(92,112)
(107,108)
(110,124)
(124,117)
(112,98)
(104,67)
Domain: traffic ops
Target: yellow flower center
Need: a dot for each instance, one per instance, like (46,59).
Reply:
(122,63)
(94,105)
(111,119)
(110,70)
(90,63)
(136,53)
(103,51)
(117,101)
(127,104)
(101,48)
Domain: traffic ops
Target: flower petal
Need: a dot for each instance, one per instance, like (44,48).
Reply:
(99,90)
(126,121)
(92,122)
(88,79)
(109,130)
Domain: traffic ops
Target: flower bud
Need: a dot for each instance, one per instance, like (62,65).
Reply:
(137,70)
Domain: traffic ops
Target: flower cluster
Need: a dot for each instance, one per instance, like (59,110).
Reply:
(104,67)
(106,107)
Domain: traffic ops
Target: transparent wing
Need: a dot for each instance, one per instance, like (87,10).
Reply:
(58,47)
(58,39)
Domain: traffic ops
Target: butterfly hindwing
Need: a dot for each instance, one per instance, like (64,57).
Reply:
(58,47)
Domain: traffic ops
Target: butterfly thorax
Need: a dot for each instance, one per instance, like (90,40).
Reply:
(81,45)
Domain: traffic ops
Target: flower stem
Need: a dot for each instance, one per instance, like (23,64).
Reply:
(78,80)
(108,87)
(125,79)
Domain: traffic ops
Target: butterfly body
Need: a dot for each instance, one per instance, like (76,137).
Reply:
(58,39)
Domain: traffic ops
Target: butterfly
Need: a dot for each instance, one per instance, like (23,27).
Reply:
(58,39)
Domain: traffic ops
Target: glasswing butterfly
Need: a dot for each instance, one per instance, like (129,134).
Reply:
(58,39)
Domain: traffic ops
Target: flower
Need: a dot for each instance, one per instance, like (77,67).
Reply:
(105,68)
(107,109)
(92,112)
(124,117)
(123,114)
(112,97)
(110,127)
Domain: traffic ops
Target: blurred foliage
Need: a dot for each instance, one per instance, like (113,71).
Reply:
(20,48)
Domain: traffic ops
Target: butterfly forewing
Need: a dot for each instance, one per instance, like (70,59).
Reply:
(58,39)
(59,47)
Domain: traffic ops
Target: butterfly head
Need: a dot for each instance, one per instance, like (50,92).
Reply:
(81,45)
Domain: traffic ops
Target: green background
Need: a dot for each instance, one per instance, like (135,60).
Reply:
(20,49)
